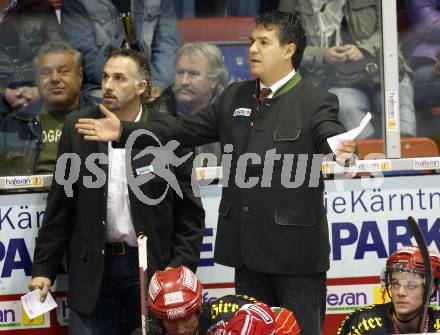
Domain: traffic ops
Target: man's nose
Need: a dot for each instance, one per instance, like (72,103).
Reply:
(402,290)
(54,76)
(107,84)
(185,78)
(253,48)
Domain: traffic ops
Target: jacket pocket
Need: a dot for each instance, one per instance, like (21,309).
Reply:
(363,17)
(152,10)
(105,28)
(287,217)
(357,4)
(283,135)
(223,209)
(153,15)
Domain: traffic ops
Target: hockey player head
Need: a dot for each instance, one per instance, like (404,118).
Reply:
(404,277)
(175,297)
(257,319)
(260,319)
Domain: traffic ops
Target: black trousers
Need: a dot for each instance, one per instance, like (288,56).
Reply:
(303,294)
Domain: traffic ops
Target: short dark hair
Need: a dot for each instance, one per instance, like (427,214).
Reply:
(290,30)
(142,63)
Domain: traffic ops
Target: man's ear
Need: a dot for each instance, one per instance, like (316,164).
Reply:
(141,87)
(81,75)
(290,50)
(213,83)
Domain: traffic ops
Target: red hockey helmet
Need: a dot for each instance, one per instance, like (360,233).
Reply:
(174,294)
(409,259)
(252,319)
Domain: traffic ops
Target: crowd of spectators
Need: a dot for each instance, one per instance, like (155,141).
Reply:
(343,40)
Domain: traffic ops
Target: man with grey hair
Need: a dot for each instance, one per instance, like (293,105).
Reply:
(100,224)
(200,78)
(29,136)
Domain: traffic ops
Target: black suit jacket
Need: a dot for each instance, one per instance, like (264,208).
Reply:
(174,227)
(267,227)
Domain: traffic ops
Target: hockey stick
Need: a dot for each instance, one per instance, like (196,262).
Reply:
(415,229)
(143,281)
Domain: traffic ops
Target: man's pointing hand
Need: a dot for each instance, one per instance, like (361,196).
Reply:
(107,128)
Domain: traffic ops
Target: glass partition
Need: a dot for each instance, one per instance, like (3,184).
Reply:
(343,55)
(419,35)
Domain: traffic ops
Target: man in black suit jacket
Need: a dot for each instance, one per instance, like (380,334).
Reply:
(272,225)
(99,223)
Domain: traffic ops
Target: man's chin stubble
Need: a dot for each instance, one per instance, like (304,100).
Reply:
(110,108)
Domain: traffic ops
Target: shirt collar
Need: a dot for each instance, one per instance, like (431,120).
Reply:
(276,86)
(138,117)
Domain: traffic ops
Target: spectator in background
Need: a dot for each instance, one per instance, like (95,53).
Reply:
(425,17)
(97,27)
(200,78)
(25,25)
(29,136)
(343,37)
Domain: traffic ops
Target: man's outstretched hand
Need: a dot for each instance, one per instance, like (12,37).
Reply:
(107,128)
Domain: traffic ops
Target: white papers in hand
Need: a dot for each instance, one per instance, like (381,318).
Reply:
(34,307)
(350,135)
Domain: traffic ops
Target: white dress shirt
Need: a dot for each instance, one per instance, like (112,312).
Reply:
(119,226)
(276,86)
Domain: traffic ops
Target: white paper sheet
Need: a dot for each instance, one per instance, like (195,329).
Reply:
(34,307)
(350,135)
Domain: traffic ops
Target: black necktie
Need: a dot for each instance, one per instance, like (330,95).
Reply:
(264,93)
